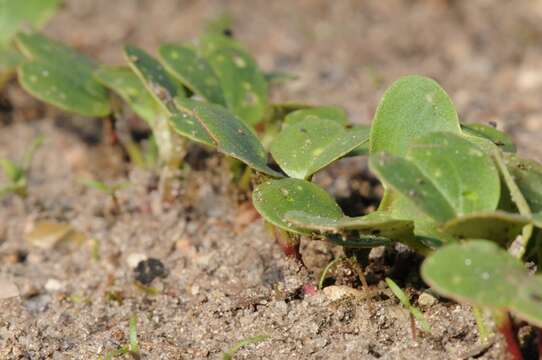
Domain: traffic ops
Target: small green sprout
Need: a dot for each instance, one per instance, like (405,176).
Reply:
(17,173)
(415,313)
(228,355)
(109,189)
(327,269)
(133,346)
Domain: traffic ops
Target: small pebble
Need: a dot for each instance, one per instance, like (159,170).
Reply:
(338,292)
(426,300)
(8,289)
(148,270)
(53,285)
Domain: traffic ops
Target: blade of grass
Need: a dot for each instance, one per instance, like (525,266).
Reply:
(228,355)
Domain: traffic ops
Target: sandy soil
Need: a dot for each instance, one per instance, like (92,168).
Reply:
(225,280)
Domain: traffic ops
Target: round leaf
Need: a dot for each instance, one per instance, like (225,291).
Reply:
(243,84)
(502,140)
(497,226)
(275,198)
(406,178)
(309,145)
(463,173)
(53,86)
(412,106)
(478,272)
(193,71)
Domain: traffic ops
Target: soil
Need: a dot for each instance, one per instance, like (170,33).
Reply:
(219,277)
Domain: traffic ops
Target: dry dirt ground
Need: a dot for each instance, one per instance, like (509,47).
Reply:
(224,280)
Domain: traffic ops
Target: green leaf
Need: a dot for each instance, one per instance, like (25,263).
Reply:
(279,77)
(332,113)
(498,226)
(231,135)
(9,60)
(54,86)
(193,71)
(96,185)
(219,24)
(14,14)
(477,272)
(153,75)
(405,177)
(61,76)
(228,355)
(275,198)
(466,176)
(309,145)
(127,84)
(242,82)
(375,224)
(276,113)
(11,170)
(405,301)
(187,124)
(499,138)
(363,149)
(528,303)
(412,106)
(480,273)
(79,67)
(527,175)
(443,174)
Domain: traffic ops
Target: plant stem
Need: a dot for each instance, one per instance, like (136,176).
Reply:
(110,133)
(326,270)
(357,267)
(171,148)
(539,342)
(481,324)
(518,199)
(288,242)
(115,202)
(413,326)
(244,181)
(506,328)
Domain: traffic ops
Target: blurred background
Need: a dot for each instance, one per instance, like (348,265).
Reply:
(487,53)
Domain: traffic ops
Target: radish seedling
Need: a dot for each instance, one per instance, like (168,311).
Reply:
(415,313)
(17,172)
(228,355)
(441,183)
(109,189)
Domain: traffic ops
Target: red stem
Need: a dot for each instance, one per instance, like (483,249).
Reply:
(506,328)
(289,246)
(539,331)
